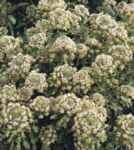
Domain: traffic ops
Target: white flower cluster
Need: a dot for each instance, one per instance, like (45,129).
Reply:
(89,125)
(124,131)
(41,105)
(61,78)
(127,95)
(64,49)
(82,82)
(36,81)
(48,136)
(126,12)
(107,29)
(9,46)
(58,17)
(19,67)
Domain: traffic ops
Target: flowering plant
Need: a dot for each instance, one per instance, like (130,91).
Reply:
(67,75)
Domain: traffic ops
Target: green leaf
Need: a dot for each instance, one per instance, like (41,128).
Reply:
(12,19)
(26,145)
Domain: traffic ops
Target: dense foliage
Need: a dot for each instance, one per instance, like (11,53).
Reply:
(67,75)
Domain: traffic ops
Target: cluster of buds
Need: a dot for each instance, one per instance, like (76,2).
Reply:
(64,49)
(82,82)
(36,81)
(127,95)
(9,46)
(8,94)
(121,54)
(49,5)
(104,64)
(124,131)
(17,121)
(107,29)
(89,124)
(126,11)
(48,136)
(61,78)
(41,106)
(19,67)
(61,18)
(66,104)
